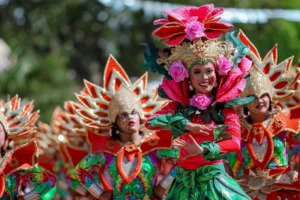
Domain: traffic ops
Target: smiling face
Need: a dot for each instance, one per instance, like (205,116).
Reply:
(128,123)
(260,105)
(203,78)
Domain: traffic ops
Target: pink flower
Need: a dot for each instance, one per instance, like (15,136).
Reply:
(172,29)
(178,71)
(224,65)
(194,30)
(201,101)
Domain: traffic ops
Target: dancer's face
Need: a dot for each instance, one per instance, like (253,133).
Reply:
(260,105)
(129,123)
(203,78)
(2,136)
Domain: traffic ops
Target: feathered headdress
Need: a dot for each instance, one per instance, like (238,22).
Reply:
(101,105)
(268,77)
(18,120)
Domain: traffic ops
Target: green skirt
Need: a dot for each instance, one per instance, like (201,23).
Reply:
(205,183)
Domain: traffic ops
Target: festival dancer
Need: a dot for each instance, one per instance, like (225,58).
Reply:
(18,166)
(203,78)
(262,166)
(126,164)
(73,147)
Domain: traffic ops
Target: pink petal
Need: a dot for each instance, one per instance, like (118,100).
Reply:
(228,82)
(175,41)
(245,65)
(176,91)
(234,92)
(171,89)
(213,34)
(160,21)
(215,13)
(218,26)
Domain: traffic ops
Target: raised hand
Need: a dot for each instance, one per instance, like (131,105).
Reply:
(199,128)
(193,148)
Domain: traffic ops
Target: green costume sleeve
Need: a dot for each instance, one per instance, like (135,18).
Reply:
(175,123)
(173,153)
(211,151)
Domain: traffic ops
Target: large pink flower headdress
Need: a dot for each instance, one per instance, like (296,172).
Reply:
(192,33)
(191,23)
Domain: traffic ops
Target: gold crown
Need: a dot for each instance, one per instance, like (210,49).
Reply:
(266,76)
(199,50)
(101,105)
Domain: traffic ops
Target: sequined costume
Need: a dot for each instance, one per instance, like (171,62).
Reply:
(262,165)
(201,176)
(18,166)
(129,170)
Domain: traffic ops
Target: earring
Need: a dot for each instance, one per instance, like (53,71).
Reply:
(190,86)
(216,85)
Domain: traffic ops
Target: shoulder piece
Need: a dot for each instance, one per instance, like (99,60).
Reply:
(20,157)
(286,120)
(100,143)
(156,140)
(245,129)
(75,154)
(64,153)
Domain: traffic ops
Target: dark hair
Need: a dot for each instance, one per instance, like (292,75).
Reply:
(115,135)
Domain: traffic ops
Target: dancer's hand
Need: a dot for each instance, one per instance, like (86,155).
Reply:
(106,195)
(193,148)
(159,191)
(199,128)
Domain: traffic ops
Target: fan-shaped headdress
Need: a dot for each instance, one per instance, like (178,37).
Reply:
(46,139)
(68,121)
(18,120)
(101,105)
(266,76)
(294,100)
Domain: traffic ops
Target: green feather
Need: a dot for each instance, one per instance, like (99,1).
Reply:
(150,60)
(240,47)
(239,101)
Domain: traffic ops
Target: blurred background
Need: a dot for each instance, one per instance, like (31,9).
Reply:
(48,46)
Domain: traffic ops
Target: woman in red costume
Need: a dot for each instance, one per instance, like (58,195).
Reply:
(262,166)
(17,166)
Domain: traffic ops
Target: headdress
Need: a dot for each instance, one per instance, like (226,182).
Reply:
(18,120)
(101,105)
(192,33)
(68,121)
(65,128)
(294,100)
(191,22)
(46,138)
(268,77)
